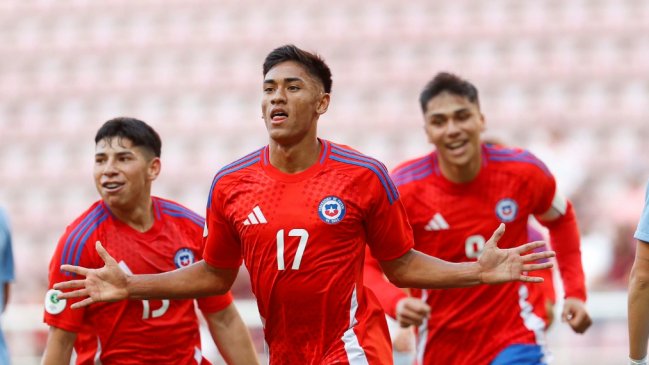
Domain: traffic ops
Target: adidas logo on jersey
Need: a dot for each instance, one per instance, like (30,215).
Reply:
(255,217)
(437,223)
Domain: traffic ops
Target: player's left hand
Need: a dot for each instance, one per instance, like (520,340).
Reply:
(576,315)
(504,265)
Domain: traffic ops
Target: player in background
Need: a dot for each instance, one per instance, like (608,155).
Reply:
(639,292)
(6,276)
(453,196)
(299,212)
(146,234)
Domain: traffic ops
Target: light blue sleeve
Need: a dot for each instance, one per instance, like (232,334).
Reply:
(642,233)
(6,252)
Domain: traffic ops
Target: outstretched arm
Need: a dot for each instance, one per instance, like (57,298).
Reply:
(111,283)
(638,303)
(417,270)
(231,336)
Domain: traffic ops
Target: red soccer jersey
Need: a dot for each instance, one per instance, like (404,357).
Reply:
(133,331)
(453,221)
(302,237)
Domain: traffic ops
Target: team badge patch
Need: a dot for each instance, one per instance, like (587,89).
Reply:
(507,210)
(54,305)
(331,210)
(184,257)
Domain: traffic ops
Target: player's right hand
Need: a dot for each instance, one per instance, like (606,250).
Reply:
(107,284)
(411,311)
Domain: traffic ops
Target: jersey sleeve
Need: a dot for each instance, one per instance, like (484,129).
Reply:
(543,186)
(221,242)
(215,303)
(642,232)
(71,249)
(388,231)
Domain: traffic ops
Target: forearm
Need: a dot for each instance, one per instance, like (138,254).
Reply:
(638,316)
(416,270)
(565,240)
(58,349)
(231,336)
(197,280)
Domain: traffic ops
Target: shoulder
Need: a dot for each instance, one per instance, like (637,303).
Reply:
(414,170)
(516,159)
(178,211)
(230,171)
(93,216)
(82,230)
(362,166)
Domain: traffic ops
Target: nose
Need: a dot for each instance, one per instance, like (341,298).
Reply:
(452,127)
(109,168)
(279,96)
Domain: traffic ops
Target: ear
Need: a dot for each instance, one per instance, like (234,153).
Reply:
(323,103)
(155,166)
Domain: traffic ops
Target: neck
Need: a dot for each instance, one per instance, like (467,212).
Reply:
(461,173)
(139,216)
(294,158)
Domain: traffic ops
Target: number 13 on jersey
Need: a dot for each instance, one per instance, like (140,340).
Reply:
(296,232)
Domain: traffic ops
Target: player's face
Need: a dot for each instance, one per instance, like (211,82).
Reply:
(292,102)
(454,124)
(123,173)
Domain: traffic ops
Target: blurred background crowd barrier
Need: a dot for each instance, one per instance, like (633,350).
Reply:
(567,79)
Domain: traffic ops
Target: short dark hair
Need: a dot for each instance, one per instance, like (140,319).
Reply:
(313,63)
(138,132)
(445,81)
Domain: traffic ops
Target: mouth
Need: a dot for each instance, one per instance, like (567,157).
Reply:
(278,115)
(111,187)
(457,146)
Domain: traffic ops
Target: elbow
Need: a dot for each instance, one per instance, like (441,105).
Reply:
(398,279)
(639,279)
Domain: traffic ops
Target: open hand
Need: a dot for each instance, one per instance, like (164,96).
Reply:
(107,284)
(504,265)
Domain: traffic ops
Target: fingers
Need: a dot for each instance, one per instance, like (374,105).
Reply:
(498,233)
(108,259)
(538,256)
(575,314)
(75,269)
(412,311)
(84,303)
(531,246)
(74,294)
(530,279)
(72,284)
(535,267)
(409,317)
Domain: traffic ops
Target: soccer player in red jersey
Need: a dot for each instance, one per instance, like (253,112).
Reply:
(146,234)
(454,197)
(299,213)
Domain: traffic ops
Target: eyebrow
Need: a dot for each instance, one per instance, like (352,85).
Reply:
(122,153)
(452,112)
(288,79)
